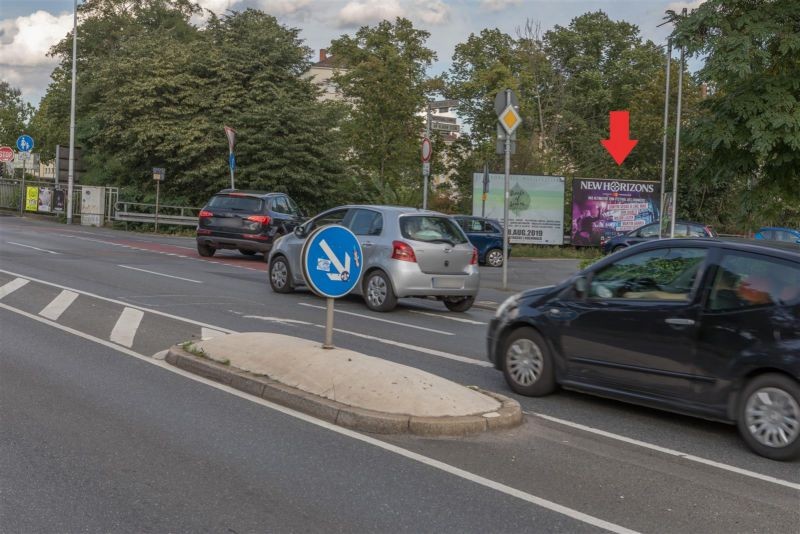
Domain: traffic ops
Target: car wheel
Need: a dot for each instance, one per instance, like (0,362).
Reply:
(618,248)
(528,364)
(247,252)
(205,250)
(769,416)
(280,278)
(459,304)
(378,292)
(494,258)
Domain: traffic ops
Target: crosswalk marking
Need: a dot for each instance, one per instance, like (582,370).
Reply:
(12,286)
(127,325)
(59,305)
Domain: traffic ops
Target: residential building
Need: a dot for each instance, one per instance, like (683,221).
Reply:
(322,73)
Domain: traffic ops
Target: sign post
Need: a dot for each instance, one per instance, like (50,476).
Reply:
(230,133)
(509,120)
(427,150)
(24,145)
(158,176)
(332,266)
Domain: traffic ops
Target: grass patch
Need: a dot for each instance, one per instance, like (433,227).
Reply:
(190,347)
(554,251)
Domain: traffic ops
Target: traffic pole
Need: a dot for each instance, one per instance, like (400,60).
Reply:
(71,168)
(664,148)
(158,188)
(329,325)
(677,144)
(425,174)
(22,195)
(506,199)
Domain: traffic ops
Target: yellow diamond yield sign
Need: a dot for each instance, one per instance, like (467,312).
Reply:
(510,119)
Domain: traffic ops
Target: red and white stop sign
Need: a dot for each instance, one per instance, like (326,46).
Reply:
(6,153)
(426,150)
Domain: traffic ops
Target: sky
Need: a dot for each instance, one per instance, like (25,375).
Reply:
(28,28)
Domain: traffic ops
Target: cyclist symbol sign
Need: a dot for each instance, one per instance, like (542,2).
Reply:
(332,261)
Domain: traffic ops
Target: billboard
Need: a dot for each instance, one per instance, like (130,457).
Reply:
(602,209)
(536,206)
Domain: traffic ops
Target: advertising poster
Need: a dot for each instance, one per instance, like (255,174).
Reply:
(536,206)
(59,199)
(31,198)
(602,209)
(45,199)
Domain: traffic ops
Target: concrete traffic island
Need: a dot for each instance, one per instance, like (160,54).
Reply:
(347,388)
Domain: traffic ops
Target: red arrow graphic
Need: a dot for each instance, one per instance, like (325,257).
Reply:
(619,143)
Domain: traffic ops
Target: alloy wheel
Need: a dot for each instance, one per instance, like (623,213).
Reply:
(376,290)
(524,361)
(772,417)
(279,274)
(495,258)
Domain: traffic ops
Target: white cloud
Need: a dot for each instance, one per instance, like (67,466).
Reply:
(677,6)
(26,40)
(499,5)
(431,11)
(362,12)
(283,7)
(217,6)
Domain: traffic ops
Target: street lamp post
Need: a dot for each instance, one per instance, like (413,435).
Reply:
(71,168)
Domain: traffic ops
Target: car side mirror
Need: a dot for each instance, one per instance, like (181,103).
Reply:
(300,231)
(581,285)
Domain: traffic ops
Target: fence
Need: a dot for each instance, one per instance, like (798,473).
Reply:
(11,195)
(146,213)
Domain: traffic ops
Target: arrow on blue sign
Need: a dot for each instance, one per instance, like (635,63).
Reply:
(332,261)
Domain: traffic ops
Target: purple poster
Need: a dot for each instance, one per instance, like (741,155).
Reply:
(602,209)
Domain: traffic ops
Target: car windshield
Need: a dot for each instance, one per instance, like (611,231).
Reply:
(236,203)
(431,229)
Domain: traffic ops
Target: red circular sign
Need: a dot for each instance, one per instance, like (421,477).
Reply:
(6,153)
(426,149)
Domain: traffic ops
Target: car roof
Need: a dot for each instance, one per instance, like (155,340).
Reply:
(399,210)
(785,250)
(249,193)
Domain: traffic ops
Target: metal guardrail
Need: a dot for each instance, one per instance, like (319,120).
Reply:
(146,213)
(10,196)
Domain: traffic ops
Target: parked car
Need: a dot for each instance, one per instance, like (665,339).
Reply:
(704,327)
(487,236)
(249,221)
(407,253)
(786,235)
(651,231)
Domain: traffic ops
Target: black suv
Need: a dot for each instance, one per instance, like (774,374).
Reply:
(249,221)
(706,327)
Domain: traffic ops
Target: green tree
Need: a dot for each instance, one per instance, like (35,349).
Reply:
(383,79)
(749,130)
(15,114)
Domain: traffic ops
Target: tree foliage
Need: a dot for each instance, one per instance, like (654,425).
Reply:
(15,114)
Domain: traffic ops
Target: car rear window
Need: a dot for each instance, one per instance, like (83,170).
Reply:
(236,203)
(431,229)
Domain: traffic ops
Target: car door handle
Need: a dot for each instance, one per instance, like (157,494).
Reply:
(679,321)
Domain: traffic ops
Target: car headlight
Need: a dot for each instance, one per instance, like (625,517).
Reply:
(506,306)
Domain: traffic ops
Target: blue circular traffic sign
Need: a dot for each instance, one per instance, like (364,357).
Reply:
(25,143)
(332,261)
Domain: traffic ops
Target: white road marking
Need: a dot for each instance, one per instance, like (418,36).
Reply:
(123,303)
(424,350)
(209,333)
(671,452)
(160,274)
(127,325)
(12,286)
(34,248)
(448,317)
(379,319)
(59,305)
(411,455)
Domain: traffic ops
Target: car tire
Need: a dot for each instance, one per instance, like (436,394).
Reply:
(618,248)
(494,258)
(205,250)
(459,304)
(528,363)
(247,252)
(378,292)
(280,276)
(768,416)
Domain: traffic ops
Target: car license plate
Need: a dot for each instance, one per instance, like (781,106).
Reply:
(448,283)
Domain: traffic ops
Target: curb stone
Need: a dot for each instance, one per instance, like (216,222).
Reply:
(507,416)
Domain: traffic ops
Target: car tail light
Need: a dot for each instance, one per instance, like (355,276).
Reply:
(260,219)
(205,213)
(474,260)
(403,252)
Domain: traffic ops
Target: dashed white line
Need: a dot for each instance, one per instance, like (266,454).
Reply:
(59,305)
(671,452)
(34,248)
(160,274)
(411,455)
(12,286)
(435,331)
(415,348)
(127,325)
(448,317)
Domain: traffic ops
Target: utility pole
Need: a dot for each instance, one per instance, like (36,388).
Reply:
(664,148)
(506,198)
(677,142)
(426,169)
(71,169)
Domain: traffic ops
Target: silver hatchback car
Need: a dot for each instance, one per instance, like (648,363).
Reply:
(407,253)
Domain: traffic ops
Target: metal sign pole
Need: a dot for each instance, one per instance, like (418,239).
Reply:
(71,168)
(22,193)
(424,169)
(505,199)
(677,145)
(233,185)
(329,325)
(158,188)
(664,148)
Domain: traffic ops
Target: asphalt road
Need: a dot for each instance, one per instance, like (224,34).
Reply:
(67,399)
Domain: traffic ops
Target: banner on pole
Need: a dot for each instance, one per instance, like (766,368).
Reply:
(231,135)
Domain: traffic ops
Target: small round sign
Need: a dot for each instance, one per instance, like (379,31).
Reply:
(332,261)
(25,143)
(6,153)
(427,150)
